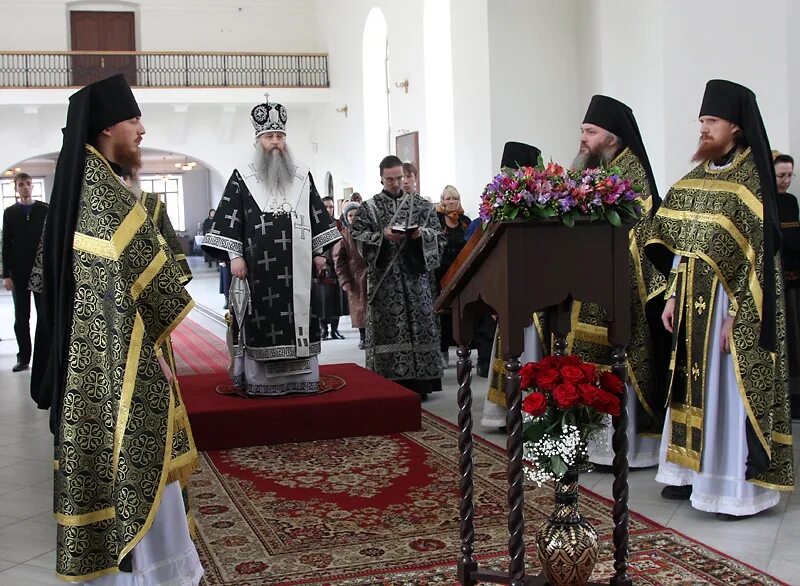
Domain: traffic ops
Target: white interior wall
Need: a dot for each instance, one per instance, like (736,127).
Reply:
(669,51)
(195,198)
(439,97)
(533,61)
(341,139)
(172,25)
(793,74)
(469,32)
(744,42)
(635,77)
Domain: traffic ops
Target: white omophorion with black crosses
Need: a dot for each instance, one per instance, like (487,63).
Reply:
(266,240)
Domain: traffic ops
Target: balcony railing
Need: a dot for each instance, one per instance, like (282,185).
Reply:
(163,69)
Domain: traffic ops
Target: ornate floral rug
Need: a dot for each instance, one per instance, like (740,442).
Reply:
(383,510)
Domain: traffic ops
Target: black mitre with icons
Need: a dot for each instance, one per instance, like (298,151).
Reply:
(268,117)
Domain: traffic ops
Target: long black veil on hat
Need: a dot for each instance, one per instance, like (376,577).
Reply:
(616,117)
(91,110)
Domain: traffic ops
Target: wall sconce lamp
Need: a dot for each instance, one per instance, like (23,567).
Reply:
(342,110)
(403,84)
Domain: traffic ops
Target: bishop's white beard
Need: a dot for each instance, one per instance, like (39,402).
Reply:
(276,167)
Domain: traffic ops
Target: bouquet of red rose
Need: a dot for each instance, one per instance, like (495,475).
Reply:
(565,400)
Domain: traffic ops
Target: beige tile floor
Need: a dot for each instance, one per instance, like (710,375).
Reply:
(770,541)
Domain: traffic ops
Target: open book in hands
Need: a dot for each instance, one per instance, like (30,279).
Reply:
(407,230)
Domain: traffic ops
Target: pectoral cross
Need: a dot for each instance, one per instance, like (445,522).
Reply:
(303,227)
(234,218)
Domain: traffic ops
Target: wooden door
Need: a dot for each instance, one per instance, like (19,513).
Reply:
(102,31)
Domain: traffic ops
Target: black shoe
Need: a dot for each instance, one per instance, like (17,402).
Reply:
(603,468)
(677,493)
(361,345)
(483,370)
(336,335)
(324,335)
(729,517)
(20,366)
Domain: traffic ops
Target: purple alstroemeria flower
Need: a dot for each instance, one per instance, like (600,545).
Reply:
(567,203)
(526,196)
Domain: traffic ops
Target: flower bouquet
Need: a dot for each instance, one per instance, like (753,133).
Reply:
(565,401)
(533,193)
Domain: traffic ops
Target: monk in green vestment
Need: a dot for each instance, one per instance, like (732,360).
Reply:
(112,294)
(727,442)
(610,138)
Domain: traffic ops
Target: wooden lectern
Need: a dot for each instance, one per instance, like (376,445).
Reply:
(516,269)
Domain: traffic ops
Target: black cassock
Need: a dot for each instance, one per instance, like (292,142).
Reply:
(279,340)
(790,252)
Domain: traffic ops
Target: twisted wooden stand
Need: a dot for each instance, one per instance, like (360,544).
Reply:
(489,280)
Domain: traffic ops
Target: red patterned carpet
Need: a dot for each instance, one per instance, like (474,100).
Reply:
(197,350)
(383,510)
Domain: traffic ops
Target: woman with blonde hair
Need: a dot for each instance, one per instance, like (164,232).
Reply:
(454,225)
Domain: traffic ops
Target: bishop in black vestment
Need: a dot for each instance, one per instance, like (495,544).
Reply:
(270,224)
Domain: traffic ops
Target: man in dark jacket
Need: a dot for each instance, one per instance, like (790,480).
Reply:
(22,229)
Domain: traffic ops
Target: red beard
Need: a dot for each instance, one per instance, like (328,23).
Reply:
(709,150)
(128,157)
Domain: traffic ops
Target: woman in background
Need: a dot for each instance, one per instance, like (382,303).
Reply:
(454,224)
(352,272)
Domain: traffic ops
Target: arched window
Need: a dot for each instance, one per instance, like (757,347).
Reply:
(375,63)
(328,184)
